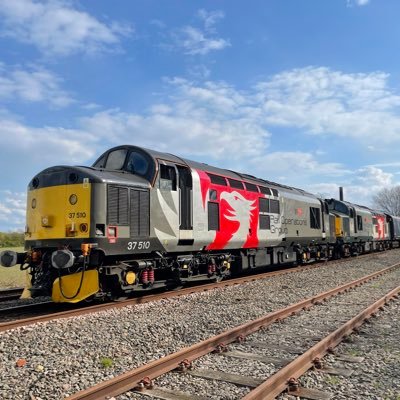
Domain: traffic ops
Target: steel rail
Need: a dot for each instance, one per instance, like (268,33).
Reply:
(122,383)
(278,382)
(4,326)
(21,308)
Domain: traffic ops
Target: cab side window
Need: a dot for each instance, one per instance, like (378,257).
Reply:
(100,163)
(167,177)
(359,223)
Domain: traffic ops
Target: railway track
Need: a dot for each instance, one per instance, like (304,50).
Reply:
(12,316)
(27,314)
(10,294)
(23,311)
(258,341)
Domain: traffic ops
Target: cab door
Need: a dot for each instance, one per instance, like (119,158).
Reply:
(185,206)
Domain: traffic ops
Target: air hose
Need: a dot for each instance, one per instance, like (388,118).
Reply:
(80,284)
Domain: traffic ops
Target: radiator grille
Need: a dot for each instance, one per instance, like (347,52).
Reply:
(119,212)
(140,213)
(117,205)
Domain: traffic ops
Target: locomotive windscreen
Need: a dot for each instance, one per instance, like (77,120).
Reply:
(130,159)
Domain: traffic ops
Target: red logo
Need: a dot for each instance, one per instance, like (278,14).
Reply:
(299,212)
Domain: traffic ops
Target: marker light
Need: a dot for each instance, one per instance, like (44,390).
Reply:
(73,199)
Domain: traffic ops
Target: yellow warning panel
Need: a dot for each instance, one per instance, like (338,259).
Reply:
(70,292)
(338,226)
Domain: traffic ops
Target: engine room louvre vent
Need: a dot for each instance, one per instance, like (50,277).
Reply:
(140,213)
(117,205)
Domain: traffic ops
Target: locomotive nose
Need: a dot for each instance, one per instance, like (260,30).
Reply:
(59,203)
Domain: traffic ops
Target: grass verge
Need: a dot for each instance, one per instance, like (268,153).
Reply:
(12,277)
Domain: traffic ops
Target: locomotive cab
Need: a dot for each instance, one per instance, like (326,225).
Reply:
(75,214)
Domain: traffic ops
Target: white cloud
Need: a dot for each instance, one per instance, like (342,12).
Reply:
(91,106)
(12,209)
(350,3)
(322,101)
(194,41)
(199,71)
(200,41)
(210,19)
(217,123)
(302,163)
(371,176)
(33,84)
(40,147)
(212,120)
(359,186)
(56,28)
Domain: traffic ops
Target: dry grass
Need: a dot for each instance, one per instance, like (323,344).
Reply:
(12,277)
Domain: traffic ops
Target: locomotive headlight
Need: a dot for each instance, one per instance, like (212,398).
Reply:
(62,259)
(73,199)
(33,204)
(83,227)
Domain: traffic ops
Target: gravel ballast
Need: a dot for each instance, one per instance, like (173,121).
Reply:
(68,355)
(378,375)
(280,341)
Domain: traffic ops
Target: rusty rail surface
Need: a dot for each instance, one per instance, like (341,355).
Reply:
(4,326)
(278,382)
(154,369)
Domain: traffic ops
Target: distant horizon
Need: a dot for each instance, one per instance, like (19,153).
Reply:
(305,94)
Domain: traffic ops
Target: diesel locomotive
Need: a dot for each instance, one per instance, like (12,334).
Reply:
(139,219)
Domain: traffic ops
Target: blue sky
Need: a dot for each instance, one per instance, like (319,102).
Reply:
(301,92)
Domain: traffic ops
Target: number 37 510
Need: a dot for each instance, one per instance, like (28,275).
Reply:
(138,245)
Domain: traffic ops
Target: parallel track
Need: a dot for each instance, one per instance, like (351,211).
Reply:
(141,378)
(10,294)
